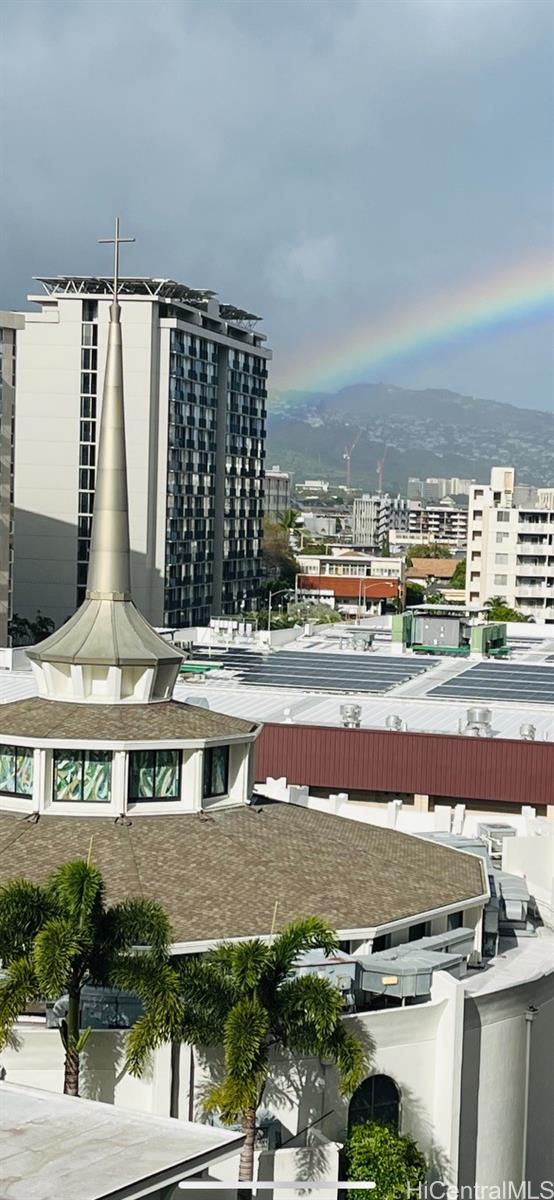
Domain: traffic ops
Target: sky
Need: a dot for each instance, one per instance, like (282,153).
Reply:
(329,164)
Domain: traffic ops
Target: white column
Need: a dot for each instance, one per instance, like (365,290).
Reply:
(39,780)
(191,780)
(119,781)
(239,771)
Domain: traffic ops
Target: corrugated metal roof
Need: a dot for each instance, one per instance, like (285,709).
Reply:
(490,769)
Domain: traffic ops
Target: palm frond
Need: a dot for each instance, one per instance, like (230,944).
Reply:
(208,995)
(18,986)
(308,933)
(345,1049)
(55,951)
(156,1026)
(138,922)
(246,1028)
(233,1096)
(24,908)
(306,1013)
(78,888)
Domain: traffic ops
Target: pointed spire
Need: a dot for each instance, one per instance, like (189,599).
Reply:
(107,651)
(109,572)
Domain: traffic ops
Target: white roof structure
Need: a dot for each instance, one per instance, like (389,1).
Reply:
(74,1149)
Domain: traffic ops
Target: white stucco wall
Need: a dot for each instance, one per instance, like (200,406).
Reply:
(458,1061)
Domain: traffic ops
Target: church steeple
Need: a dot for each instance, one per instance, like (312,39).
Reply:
(107,652)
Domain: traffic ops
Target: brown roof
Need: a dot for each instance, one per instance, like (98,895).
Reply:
(441,765)
(244,870)
(350,586)
(437,568)
(168,720)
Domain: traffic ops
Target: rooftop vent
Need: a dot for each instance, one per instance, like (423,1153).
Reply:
(527,733)
(351,715)
(198,701)
(478,722)
(394,723)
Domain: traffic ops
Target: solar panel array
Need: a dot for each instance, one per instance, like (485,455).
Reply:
(324,672)
(501,681)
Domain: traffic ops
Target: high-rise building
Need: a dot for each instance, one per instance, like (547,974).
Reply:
(373,517)
(196,373)
(437,487)
(9,324)
(511,546)
(277,493)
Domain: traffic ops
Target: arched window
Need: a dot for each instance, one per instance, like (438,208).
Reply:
(376,1099)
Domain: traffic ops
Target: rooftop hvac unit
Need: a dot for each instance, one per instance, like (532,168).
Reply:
(394,723)
(351,715)
(478,722)
(527,733)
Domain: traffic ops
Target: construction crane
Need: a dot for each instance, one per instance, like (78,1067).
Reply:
(347,456)
(379,471)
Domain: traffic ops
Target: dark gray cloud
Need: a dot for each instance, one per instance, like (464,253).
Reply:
(317,160)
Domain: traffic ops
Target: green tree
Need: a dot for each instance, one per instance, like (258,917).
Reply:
(415,594)
(27,633)
(242,996)
(278,558)
(458,579)
(392,1160)
(55,939)
(430,550)
(497,609)
(287,519)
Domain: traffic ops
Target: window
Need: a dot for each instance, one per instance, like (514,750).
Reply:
(416,932)
(154,775)
(381,942)
(501,559)
(455,920)
(82,775)
(501,580)
(503,516)
(90,310)
(376,1099)
(16,771)
(216,771)
(502,537)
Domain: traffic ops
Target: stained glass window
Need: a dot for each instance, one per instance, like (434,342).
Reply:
(16,770)
(216,771)
(82,775)
(154,775)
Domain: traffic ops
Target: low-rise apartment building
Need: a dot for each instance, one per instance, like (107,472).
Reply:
(348,578)
(511,546)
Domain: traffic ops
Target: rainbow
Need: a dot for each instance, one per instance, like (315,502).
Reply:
(487,306)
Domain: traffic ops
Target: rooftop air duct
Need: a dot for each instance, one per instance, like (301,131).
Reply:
(394,723)
(478,722)
(351,715)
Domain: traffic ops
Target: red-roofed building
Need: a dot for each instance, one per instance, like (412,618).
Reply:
(346,591)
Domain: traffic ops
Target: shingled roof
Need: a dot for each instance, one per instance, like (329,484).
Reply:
(243,871)
(168,720)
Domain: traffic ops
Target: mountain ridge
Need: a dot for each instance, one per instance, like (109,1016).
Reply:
(434,431)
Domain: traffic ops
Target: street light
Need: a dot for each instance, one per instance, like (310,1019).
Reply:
(280,592)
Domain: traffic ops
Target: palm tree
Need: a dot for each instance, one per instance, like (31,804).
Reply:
(245,997)
(288,518)
(55,939)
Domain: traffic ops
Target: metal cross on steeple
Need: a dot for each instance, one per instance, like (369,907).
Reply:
(116,243)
